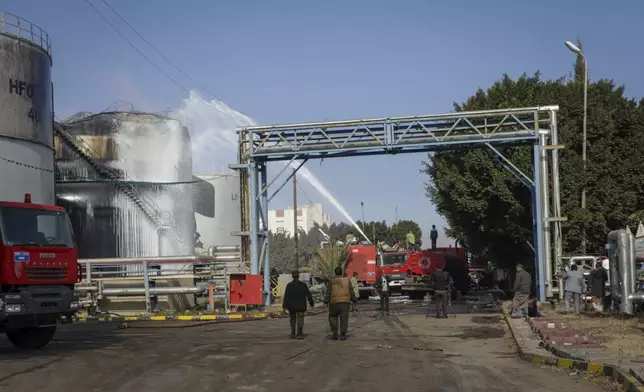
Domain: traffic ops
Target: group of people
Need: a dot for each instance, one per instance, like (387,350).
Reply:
(574,288)
(341,296)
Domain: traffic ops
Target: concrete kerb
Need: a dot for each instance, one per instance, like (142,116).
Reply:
(626,378)
(217,318)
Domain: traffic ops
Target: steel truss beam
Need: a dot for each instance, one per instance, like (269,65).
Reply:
(396,135)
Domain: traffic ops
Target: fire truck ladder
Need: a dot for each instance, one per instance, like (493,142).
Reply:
(147,206)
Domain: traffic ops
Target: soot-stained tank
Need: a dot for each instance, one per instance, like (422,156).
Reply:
(127,181)
(26,114)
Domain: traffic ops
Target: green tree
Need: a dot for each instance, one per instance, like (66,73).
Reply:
(398,232)
(328,258)
(489,210)
(281,252)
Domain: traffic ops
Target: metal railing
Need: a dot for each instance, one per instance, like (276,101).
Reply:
(18,27)
(205,271)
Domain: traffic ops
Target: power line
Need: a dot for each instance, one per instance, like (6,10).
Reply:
(173,80)
(158,51)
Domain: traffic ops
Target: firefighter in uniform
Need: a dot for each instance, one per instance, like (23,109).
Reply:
(339,295)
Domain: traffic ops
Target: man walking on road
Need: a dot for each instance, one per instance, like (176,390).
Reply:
(575,286)
(522,289)
(441,282)
(598,279)
(339,294)
(295,297)
(382,285)
(433,235)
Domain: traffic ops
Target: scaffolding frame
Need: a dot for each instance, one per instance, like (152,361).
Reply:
(259,145)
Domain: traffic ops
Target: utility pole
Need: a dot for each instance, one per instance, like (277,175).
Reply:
(295,231)
(577,50)
(362,207)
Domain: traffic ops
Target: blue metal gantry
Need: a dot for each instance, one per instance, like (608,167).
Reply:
(491,129)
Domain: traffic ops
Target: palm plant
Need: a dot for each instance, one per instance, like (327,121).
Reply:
(328,258)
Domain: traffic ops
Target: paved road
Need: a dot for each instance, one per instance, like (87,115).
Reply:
(465,353)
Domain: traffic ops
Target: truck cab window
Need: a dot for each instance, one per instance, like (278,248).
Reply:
(25,226)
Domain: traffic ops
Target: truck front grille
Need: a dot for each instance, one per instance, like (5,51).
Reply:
(36,274)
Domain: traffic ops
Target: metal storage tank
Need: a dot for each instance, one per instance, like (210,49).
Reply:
(217,209)
(26,112)
(127,180)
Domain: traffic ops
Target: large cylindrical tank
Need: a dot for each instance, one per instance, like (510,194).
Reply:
(26,112)
(128,157)
(217,209)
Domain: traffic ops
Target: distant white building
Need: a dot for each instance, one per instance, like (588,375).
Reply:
(281,221)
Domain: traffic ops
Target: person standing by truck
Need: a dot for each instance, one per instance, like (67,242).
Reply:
(295,297)
(339,294)
(442,283)
(356,291)
(382,285)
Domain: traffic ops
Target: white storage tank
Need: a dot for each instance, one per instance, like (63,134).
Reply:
(217,209)
(153,154)
(26,112)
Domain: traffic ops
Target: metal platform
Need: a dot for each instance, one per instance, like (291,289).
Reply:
(492,129)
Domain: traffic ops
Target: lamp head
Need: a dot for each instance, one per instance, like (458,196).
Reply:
(573,47)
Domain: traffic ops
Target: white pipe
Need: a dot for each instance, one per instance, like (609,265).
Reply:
(213,250)
(157,260)
(621,269)
(153,291)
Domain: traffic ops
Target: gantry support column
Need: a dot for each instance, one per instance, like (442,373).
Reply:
(556,202)
(544,188)
(255,238)
(538,218)
(264,254)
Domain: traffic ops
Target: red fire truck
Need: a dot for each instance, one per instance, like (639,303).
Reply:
(409,272)
(38,270)
(362,259)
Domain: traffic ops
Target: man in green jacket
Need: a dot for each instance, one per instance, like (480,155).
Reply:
(338,295)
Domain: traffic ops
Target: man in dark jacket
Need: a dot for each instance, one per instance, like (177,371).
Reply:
(295,297)
(598,279)
(433,236)
(522,289)
(442,283)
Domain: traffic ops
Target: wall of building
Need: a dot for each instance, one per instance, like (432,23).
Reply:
(307,217)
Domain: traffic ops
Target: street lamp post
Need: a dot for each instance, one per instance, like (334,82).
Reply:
(362,208)
(396,210)
(573,48)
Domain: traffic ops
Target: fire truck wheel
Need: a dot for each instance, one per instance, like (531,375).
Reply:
(31,338)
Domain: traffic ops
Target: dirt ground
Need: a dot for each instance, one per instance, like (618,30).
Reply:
(624,335)
(405,350)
